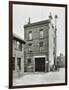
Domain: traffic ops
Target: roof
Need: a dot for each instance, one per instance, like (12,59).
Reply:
(37,23)
(18,38)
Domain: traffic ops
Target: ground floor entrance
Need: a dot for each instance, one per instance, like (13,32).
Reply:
(40,64)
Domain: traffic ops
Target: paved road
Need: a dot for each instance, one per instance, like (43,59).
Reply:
(41,78)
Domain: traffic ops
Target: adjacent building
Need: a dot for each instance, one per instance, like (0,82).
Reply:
(61,61)
(40,47)
(18,56)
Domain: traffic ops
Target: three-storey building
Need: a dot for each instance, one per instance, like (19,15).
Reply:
(39,51)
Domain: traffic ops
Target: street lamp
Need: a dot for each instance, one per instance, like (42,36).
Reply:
(56,21)
(50,16)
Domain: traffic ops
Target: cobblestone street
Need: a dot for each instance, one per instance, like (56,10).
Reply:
(41,78)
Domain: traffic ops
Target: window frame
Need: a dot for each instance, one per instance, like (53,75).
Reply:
(41,33)
(13,63)
(19,62)
(30,36)
(19,47)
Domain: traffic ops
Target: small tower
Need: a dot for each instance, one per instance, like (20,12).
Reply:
(29,20)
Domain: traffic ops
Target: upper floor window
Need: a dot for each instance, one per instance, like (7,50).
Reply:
(19,63)
(29,61)
(30,35)
(30,44)
(41,44)
(13,58)
(41,33)
(19,46)
(29,47)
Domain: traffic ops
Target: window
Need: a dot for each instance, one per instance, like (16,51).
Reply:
(29,61)
(19,46)
(41,44)
(30,47)
(30,35)
(30,44)
(41,33)
(13,63)
(19,63)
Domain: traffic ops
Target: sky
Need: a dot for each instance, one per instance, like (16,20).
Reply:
(21,13)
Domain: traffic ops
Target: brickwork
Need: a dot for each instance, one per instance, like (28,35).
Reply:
(35,47)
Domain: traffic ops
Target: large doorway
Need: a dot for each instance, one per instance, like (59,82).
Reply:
(40,64)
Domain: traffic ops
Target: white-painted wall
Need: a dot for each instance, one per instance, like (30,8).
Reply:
(51,59)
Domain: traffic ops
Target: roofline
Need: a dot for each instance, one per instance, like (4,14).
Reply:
(37,23)
(18,38)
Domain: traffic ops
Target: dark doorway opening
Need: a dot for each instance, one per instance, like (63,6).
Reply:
(40,64)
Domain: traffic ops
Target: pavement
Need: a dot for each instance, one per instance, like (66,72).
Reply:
(40,78)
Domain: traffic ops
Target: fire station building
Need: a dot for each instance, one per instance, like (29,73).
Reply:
(40,47)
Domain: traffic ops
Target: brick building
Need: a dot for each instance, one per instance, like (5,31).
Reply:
(40,48)
(18,56)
